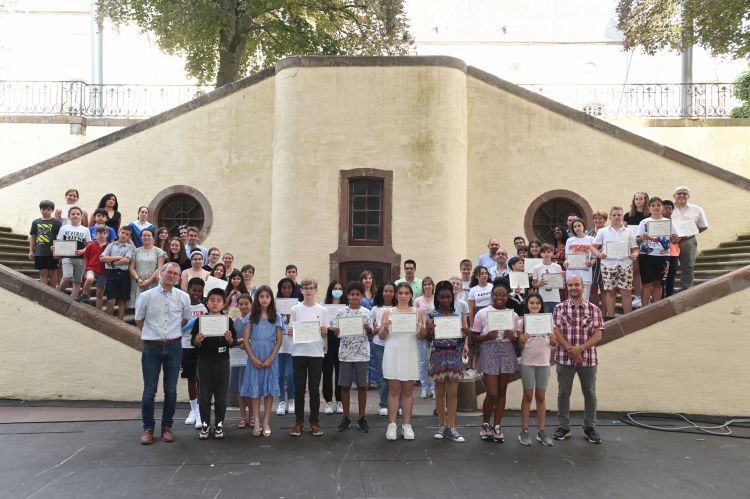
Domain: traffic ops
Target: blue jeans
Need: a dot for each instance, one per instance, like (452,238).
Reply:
(549,307)
(424,360)
(373,364)
(377,351)
(153,360)
(286,376)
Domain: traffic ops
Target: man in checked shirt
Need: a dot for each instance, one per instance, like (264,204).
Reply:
(578,328)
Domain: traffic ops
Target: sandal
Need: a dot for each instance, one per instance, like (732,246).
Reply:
(242,424)
(266,429)
(256,429)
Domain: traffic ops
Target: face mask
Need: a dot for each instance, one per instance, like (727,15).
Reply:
(337,293)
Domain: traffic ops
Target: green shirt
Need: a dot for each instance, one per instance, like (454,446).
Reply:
(416,285)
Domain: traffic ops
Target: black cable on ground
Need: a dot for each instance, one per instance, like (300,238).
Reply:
(692,427)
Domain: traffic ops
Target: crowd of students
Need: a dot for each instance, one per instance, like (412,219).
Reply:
(566,278)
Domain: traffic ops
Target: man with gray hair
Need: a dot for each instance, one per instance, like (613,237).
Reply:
(684,216)
(160,313)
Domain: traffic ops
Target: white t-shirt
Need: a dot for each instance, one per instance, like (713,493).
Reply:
(611,234)
(302,313)
(376,315)
(196,311)
(579,245)
(77,233)
(482,296)
(548,294)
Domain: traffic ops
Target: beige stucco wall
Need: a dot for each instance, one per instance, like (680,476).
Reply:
(695,362)
(519,150)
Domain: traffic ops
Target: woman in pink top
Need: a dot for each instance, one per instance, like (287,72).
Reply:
(425,304)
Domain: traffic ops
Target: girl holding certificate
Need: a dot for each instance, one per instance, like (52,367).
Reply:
(401,327)
(497,359)
(331,389)
(445,360)
(535,355)
(425,304)
(654,235)
(578,256)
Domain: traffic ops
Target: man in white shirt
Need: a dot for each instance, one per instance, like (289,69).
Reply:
(192,236)
(488,259)
(160,313)
(500,269)
(684,211)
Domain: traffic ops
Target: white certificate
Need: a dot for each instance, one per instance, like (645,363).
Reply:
(284,305)
(554,281)
(332,308)
(537,324)
(65,248)
(351,326)
(306,332)
(529,264)
(237,357)
(213,325)
(403,322)
(617,249)
(447,327)
(519,280)
(577,261)
(500,320)
(686,228)
(213,283)
(659,228)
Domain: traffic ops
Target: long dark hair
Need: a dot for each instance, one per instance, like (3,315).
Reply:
(255,311)
(475,275)
(443,286)
(564,231)
(411,292)
(241,288)
(181,259)
(379,300)
(102,203)
(373,286)
(526,302)
(329,293)
(281,283)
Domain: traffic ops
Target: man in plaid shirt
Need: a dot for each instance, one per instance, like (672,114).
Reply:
(578,328)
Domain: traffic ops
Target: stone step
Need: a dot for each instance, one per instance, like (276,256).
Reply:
(726,251)
(13,247)
(12,236)
(719,264)
(14,255)
(735,244)
(15,243)
(724,256)
(744,237)
(18,265)
(5,229)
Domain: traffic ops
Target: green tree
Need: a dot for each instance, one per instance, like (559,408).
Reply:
(741,90)
(721,26)
(223,40)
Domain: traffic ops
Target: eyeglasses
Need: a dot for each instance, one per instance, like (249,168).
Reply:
(308,288)
(682,193)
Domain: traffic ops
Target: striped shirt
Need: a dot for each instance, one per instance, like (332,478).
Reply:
(577,323)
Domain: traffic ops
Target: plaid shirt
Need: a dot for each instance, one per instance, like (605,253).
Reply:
(577,323)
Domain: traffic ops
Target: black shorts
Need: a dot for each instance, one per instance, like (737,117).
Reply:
(189,363)
(118,285)
(653,268)
(47,262)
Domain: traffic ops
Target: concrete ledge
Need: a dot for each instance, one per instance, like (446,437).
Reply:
(64,305)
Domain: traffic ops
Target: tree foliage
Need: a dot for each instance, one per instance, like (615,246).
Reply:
(223,40)
(721,26)
(741,90)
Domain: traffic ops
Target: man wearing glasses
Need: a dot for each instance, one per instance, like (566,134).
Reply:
(500,269)
(688,244)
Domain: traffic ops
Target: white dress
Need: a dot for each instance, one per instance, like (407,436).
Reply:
(401,356)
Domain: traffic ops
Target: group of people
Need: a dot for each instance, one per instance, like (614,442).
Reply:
(391,334)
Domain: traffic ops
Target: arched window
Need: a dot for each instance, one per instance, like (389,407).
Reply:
(181,205)
(551,209)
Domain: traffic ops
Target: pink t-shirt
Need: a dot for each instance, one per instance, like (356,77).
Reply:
(536,352)
(481,323)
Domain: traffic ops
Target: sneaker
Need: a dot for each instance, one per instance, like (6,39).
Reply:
(362,425)
(205,431)
(296,431)
(344,425)
(407,432)
(486,433)
(592,435)
(453,435)
(524,438)
(329,408)
(432,395)
(339,408)
(290,407)
(383,411)
(167,435)
(439,432)
(198,423)
(191,418)
(317,430)
(390,431)
(281,409)
(544,439)
(498,436)
(219,431)
(148,437)
(561,434)
(423,394)
(637,303)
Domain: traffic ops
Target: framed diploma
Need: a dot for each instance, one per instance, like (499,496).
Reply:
(554,281)
(686,228)
(519,280)
(447,327)
(284,305)
(213,325)
(577,261)
(500,320)
(331,308)
(529,264)
(65,248)
(537,324)
(306,332)
(213,283)
(351,326)
(617,250)
(404,322)
(659,228)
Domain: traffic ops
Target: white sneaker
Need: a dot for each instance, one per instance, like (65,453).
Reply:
(281,409)
(637,302)
(339,408)
(191,418)
(198,422)
(290,407)
(423,394)
(407,432)
(440,433)
(390,432)
(383,411)
(328,408)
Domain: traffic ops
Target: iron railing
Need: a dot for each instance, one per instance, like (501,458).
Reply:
(653,100)
(77,98)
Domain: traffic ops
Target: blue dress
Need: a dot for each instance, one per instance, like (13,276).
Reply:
(262,382)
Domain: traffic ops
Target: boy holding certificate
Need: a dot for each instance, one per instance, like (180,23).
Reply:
(309,327)
(72,263)
(543,279)
(654,236)
(212,348)
(353,326)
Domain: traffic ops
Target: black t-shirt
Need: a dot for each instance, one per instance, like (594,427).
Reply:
(115,221)
(45,231)
(635,219)
(213,347)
